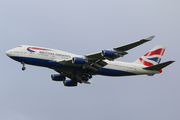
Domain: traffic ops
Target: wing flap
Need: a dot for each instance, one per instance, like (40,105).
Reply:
(95,66)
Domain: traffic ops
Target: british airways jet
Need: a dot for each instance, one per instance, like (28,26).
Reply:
(79,69)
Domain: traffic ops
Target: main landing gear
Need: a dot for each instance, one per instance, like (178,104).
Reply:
(86,76)
(23,68)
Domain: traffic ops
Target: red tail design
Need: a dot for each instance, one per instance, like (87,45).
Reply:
(156,52)
(145,62)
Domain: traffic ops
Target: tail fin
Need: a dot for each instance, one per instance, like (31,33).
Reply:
(153,57)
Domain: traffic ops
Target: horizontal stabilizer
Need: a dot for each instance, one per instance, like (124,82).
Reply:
(159,66)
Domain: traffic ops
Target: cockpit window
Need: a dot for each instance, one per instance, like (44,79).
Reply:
(20,46)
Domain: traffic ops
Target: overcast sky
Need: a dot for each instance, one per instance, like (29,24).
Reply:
(83,27)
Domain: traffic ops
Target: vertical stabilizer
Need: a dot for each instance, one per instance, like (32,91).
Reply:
(153,57)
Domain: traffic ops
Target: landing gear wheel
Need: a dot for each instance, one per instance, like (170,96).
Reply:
(23,68)
(86,76)
(89,76)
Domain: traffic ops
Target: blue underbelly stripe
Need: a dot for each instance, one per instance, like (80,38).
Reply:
(54,65)
(42,62)
(112,72)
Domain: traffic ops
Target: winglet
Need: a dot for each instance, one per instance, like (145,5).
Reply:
(150,38)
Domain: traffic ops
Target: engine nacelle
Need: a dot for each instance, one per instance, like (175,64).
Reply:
(108,53)
(77,60)
(70,83)
(57,77)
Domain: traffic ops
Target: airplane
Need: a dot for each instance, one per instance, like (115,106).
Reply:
(81,68)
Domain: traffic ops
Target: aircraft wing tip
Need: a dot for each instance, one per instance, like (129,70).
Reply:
(172,61)
(150,38)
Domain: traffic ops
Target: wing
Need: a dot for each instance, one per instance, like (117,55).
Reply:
(119,51)
(95,61)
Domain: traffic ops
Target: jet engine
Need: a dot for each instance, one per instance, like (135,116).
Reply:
(77,60)
(70,83)
(108,53)
(57,77)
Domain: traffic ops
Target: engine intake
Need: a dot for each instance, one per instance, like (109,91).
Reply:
(70,83)
(57,77)
(77,60)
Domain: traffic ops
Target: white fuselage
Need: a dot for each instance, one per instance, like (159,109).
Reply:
(46,57)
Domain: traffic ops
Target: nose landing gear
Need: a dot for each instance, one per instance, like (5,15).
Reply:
(23,68)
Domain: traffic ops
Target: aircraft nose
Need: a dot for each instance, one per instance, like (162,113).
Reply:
(8,53)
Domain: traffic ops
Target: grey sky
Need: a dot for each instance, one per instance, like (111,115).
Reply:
(83,27)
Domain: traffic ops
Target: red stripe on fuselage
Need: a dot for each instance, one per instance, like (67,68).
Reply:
(35,48)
